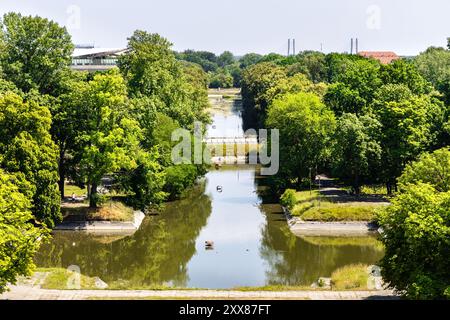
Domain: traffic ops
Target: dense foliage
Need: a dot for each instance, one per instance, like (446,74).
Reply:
(19,239)
(58,125)
(416,230)
(366,122)
(387,115)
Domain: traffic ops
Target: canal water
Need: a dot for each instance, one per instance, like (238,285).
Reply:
(253,245)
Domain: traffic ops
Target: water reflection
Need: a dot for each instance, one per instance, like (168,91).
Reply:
(226,119)
(158,253)
(252,243)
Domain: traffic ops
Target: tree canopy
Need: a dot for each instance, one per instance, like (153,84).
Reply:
(34,52)
(416,230)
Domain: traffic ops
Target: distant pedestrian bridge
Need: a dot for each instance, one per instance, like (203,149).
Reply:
(231,140)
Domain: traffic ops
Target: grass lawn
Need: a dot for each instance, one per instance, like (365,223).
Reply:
(69,189)
(351,277)
(311,206)
(109,211)
(59,278)
(344,241)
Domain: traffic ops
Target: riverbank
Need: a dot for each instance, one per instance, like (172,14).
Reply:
(331,211)
(111,218)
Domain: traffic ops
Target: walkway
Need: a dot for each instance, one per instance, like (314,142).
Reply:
(34,293)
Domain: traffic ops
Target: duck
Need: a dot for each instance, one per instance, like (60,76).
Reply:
(209,243)
(219,188)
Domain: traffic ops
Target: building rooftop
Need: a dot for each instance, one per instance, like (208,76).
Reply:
(385,57)
(97,52)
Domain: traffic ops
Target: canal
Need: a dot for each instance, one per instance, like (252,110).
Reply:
(253,245)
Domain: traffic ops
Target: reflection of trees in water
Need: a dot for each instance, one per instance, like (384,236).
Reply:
(294,261)
(157,253)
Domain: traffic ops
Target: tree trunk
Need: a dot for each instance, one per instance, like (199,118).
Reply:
(356,185)
(62,174)
(389,188)
(93,196)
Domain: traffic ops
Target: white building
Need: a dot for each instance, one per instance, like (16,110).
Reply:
(88,58)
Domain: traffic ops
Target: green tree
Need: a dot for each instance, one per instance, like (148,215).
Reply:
(207,60)
(416,236)
(34,52)
(150,67)
(151,71)
(355,87)
(434,65)
(221,79)
(256,81)
(249,59)
(19,239)
(356,151)
(432,168)
(408,125)
(297,83)
(306,126)
(110,139)
(343,99)
(404,72)
(312,64)
(236,72)
(225,59)
(27,150)
(67,125)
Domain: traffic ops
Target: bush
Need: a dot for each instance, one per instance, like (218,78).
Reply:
(178,178)
(288,199)
(350,277)
(59,278)
(417,240)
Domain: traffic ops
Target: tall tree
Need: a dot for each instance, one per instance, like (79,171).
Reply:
(110,139)
(416,230)
(356,151)
(19,239)
(305,125)
(434,65)
(408,128)
(256,81)
(34,52)
(151,70)
(225,59)
(28,151)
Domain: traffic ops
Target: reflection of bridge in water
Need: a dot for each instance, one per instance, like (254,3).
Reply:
(230,140)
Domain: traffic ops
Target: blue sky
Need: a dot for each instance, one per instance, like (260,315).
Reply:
(404,26)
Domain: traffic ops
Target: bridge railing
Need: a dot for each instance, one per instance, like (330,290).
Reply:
(231,140)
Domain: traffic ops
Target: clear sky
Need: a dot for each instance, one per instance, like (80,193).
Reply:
(241,26)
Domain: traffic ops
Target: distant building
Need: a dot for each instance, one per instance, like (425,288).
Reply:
(88,58)
(385,57)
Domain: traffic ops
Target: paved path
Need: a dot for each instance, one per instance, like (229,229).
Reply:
(42,294)
(27,292)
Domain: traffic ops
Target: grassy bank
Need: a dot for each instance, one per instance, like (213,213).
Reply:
(70,189)
(344,241)
(60,278)
(313,206)
(110,211)
(351,277)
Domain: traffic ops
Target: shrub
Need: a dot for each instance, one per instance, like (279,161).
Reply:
(288,199)
(417,240)
(350,277)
